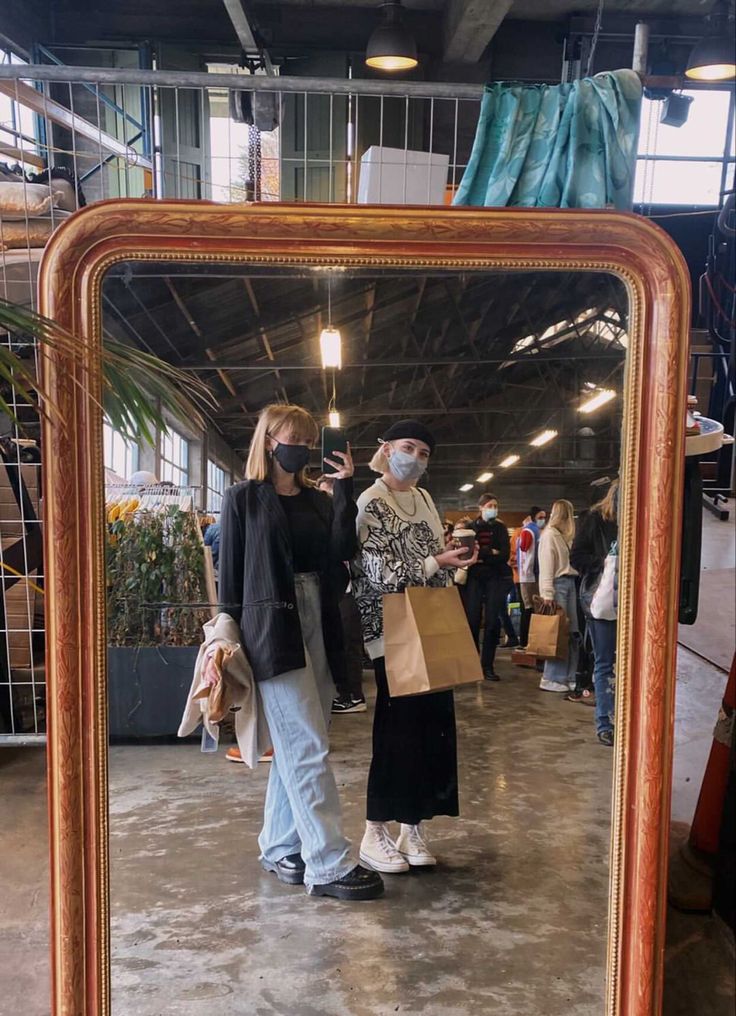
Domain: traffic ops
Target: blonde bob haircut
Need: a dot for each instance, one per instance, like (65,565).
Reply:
(379,462)
(562,518)
(606,507)
(289,421)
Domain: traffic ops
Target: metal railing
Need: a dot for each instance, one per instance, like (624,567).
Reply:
(79,135)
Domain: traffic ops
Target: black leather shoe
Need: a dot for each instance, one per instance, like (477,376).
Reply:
(289,869)
(490,675)
(358,884)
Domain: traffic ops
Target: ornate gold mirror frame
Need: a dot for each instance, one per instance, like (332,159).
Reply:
(652,468)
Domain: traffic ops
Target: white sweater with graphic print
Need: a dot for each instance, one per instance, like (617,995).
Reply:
(399,533)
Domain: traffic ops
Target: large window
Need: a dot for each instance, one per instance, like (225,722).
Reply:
(18,129)
(216,483)
(685,165)
(174,458)
(120,455)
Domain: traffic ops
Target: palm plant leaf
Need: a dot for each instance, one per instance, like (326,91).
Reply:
(138,389)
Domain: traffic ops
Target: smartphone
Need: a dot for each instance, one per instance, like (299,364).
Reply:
(333,440)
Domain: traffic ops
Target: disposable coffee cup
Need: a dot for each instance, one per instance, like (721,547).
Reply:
(465,538)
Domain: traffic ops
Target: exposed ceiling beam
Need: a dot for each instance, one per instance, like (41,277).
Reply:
(241,23)
(469,27)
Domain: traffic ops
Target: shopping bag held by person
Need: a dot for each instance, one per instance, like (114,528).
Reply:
(549,632)
(428,644)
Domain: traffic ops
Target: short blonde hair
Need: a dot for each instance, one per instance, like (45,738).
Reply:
(379,462)
(272,421)
(606,507)
(562,518)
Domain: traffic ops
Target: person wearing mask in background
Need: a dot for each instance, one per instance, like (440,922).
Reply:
(413,773)
(557,589)
(489,581)
(527,557)
(282,547)
(349,682)
(596,533)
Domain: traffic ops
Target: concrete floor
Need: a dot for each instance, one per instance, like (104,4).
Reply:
(513,922)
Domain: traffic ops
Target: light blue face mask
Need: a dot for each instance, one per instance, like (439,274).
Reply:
(405,467)
(489,514)
(541,523)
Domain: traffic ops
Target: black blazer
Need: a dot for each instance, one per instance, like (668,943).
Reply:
(256,582)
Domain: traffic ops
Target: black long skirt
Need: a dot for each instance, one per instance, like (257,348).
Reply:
(413,774)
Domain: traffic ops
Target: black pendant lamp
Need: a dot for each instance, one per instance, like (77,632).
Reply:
(714,57)
(391,47)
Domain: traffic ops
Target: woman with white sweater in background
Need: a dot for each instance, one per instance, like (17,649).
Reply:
(557,588)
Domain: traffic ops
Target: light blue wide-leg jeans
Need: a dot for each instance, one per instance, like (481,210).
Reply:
(302,810)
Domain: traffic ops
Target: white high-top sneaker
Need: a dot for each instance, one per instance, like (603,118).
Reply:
(379,852)
(412,846)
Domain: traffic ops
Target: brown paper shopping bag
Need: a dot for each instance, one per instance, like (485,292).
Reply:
(549,635)
(428,643)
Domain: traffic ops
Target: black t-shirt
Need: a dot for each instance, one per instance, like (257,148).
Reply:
(310,536)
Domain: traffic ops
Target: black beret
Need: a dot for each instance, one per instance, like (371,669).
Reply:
(411,429)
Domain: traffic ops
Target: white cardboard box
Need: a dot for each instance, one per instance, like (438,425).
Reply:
(394,176)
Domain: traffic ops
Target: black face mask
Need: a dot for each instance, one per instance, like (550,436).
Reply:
(291,457)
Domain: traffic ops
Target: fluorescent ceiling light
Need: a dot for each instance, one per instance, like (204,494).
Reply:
(543,438)
(510,460)
(597,400)
(331,345)
(466,487)
(484,478)
(334,418)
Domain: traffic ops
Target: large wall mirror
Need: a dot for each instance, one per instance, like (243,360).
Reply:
(545,352)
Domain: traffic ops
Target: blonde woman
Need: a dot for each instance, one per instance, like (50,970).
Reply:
(282,545)
(413,773)
(557,588)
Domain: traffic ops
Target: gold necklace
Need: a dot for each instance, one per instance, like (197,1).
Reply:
(404,511)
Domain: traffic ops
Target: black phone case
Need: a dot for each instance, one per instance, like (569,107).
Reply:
(334,439)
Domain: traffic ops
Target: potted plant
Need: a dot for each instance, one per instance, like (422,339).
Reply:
(156,593)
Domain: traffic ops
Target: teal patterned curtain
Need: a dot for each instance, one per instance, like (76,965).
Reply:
(563,146)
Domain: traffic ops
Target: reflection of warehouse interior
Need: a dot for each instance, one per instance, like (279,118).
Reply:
(520,374)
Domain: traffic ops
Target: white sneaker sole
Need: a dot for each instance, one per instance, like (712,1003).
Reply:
(385,867)
(420,860)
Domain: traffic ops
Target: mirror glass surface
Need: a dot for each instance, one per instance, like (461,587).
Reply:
(513,919)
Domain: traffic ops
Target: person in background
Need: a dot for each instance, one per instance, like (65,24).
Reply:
(413,773)
(349,682)
(212,540)
(596,533)
(557,589)
(528,564)
(282,547)
(489,581)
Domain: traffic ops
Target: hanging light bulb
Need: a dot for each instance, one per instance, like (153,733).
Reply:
(334,417)
(391,47)
(714,57)
(330,343)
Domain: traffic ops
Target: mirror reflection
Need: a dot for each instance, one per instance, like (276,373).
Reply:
(362,641)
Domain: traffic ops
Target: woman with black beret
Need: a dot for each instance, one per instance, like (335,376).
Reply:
(413,773)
